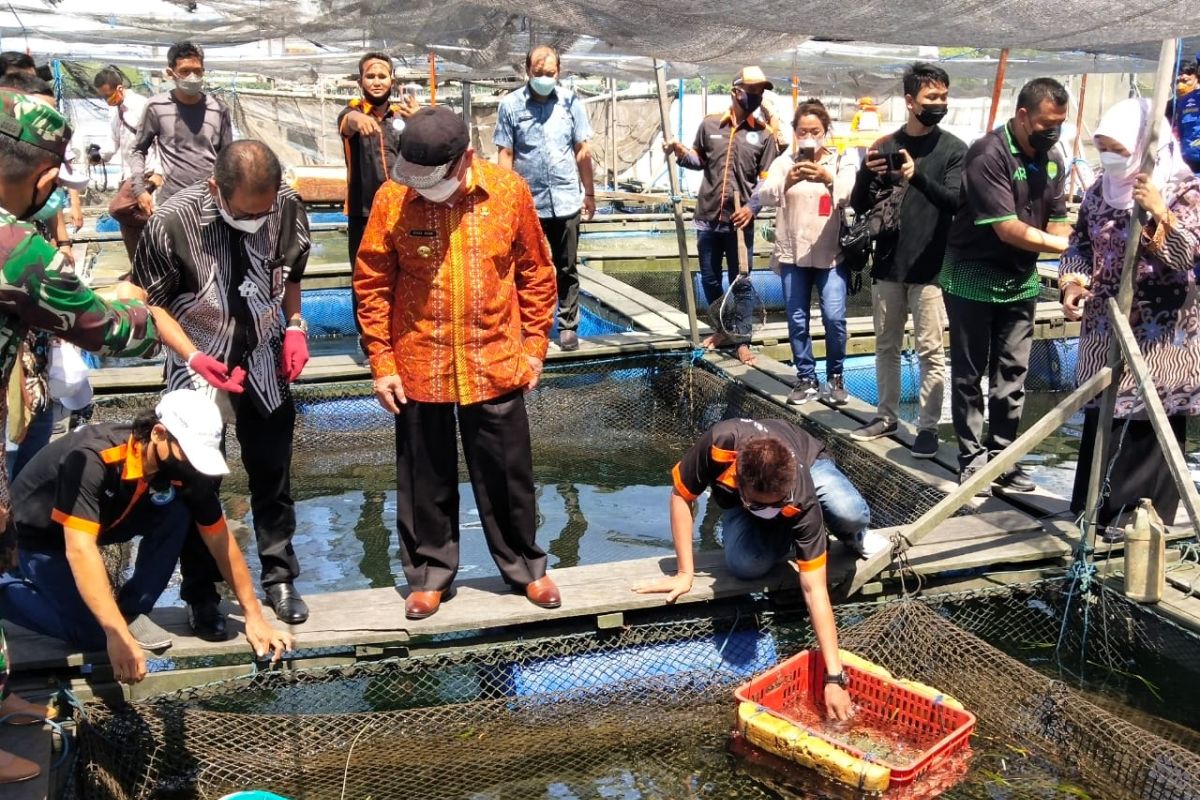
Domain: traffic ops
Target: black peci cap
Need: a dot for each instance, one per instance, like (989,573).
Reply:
(433,140)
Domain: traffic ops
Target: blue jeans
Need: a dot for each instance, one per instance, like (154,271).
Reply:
(753,547)
(798,283)
(714,246)
(45,598)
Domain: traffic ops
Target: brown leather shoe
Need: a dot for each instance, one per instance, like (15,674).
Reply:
(420,605)
(544,593)
(14,769)
(20,711)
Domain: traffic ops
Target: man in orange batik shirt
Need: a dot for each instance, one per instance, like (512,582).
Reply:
(456,295)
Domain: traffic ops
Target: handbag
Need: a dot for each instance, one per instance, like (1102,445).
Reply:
(124,207)
(857,241)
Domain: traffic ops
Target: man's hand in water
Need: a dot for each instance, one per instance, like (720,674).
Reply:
(838,705)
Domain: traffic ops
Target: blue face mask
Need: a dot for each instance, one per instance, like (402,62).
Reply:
(55,203)
(543,84)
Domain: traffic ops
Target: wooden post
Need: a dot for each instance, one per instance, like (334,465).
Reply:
(612,131)
(1078,136)
(1108,404)
(704,95)
(1176,462)
(689,292)
(432,78)
(982,478)
(998,89)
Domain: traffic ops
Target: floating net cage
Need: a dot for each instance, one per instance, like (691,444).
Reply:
(587,418)
(646,710)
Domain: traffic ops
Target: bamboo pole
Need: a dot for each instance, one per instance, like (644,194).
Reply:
(1083,82)
(982,478)
(998,89)
(1176,462)
(612,130)
(689,292)
(1108,404)
(432,78)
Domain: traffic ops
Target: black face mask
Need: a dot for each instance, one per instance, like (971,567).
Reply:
(931,114)
(749,102)
(35,205)
(1043,142)
(170,469)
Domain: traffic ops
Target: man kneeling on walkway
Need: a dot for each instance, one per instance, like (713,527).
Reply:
(105,484)
(779,488)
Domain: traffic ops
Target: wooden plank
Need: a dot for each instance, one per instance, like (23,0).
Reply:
(1176,463)
(984,476)
(34,743)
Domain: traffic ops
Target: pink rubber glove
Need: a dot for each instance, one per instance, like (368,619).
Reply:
(295,353)
(215,373)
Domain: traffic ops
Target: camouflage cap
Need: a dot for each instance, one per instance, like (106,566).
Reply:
(28,119)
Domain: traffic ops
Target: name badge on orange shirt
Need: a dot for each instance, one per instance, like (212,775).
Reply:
(423,233)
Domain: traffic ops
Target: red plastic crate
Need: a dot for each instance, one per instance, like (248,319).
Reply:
(880,698)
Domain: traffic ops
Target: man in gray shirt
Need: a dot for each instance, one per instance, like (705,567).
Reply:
(191,128)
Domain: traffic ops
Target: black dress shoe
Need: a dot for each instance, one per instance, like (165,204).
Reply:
(208,621)
(287,603)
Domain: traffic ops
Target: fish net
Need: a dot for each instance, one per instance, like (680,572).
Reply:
(645,710)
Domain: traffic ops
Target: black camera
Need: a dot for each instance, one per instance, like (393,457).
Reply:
(93,154)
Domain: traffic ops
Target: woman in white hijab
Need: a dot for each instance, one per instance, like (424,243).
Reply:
(1165,316)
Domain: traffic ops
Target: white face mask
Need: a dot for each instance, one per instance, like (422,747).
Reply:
(543,84)
(441,191)
(189,85)
(243,225)
(765,513)
(1117,165)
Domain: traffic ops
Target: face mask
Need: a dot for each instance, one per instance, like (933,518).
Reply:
(1182,88)
(36,207)
(169,469)
(1117,165)
(765,513)
(749,102)
(55,203)
(243,225)
(115,98)
(931,114)
(440,192)
(189,85)
(542,84)
(1043,142)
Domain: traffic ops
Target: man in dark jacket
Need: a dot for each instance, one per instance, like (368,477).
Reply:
(913,208)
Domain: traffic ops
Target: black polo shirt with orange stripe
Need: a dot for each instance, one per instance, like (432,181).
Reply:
(712,463)
(731,158)
(369,159)
(91,480)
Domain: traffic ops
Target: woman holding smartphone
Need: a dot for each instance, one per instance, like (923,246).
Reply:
(809,185)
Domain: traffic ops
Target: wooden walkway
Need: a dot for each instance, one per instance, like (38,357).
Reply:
(1010,538)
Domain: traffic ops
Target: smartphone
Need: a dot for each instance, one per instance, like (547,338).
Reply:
(806,154)
(895,161)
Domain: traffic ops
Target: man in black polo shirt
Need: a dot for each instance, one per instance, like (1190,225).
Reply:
(1011,208)
(779,488)
(733,150)
(221,263)
(107,483)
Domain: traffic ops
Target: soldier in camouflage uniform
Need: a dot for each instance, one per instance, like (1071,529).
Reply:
(35,292)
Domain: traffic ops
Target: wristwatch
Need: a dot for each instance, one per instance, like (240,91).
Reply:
(299,323)
(841,679)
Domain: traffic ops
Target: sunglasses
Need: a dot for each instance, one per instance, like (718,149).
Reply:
(764,506)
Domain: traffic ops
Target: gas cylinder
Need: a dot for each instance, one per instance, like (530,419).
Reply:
(1145,555)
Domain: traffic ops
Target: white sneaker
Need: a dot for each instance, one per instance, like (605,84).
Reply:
(867,543)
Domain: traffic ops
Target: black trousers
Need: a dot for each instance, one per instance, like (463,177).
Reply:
(495,442)
(266,443)
(992,339)
(1139,469)
(563,235)
(355,227)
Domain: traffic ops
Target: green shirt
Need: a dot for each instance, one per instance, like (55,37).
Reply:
(1000,182)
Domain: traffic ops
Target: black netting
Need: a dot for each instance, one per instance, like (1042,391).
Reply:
(646,710)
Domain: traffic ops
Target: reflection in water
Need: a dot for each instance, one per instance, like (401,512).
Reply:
(566,547)
(376,564)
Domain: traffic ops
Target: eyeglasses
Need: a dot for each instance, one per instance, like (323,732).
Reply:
(785,501)
(811,133)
